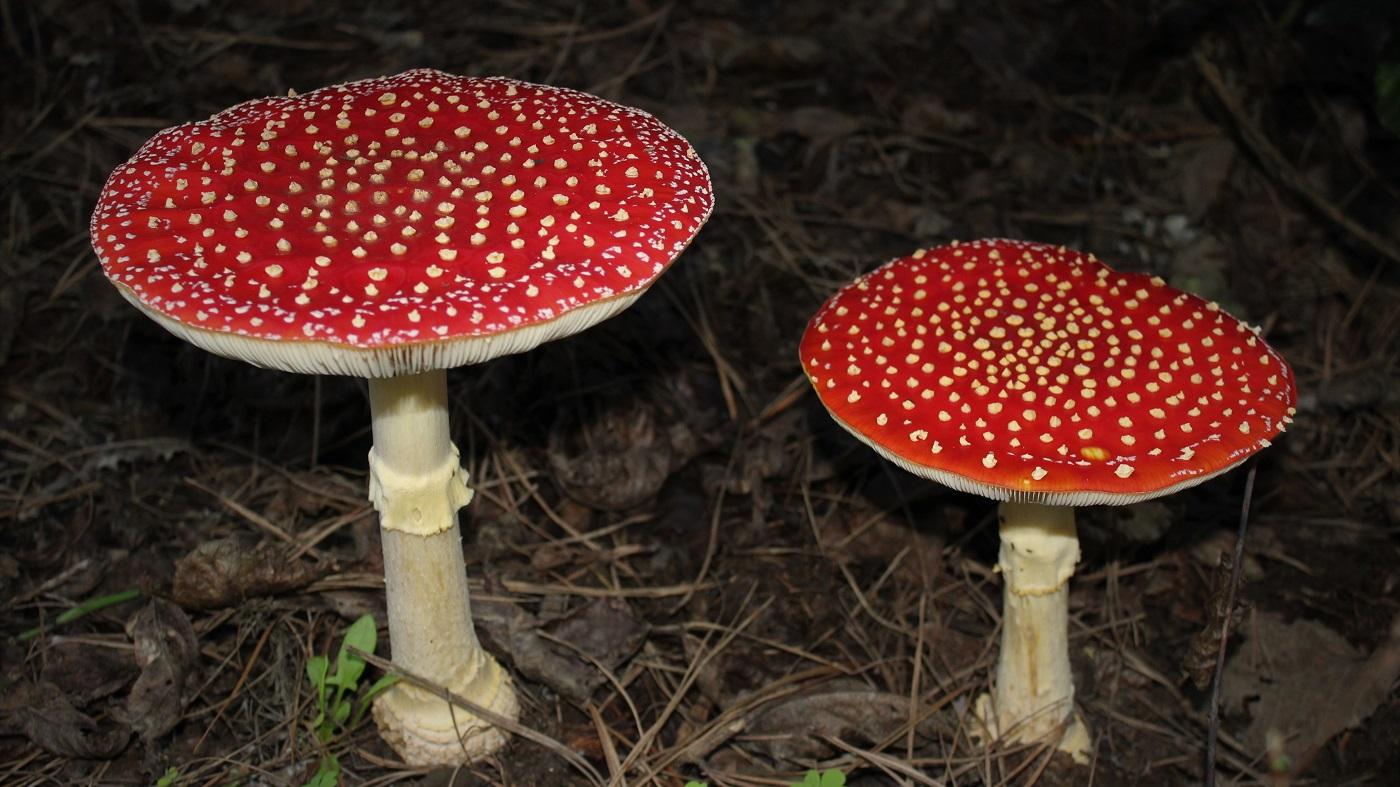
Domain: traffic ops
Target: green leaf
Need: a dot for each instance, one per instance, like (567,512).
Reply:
(348,670)
(342,713)
(327,773)
(362,634)
(367,698)
(171,774)
(696,784)
(1388,95)
(86,608)
(831,778)
(316,667)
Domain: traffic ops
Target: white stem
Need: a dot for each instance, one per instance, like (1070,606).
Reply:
(1034,689)
(417,485)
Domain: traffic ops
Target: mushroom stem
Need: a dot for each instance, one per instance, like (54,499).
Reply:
(417,485)
(1034,690)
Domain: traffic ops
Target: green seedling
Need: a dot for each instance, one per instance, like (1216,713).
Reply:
(171,775)
(1388,95)
(86,608)
(340,703)
(831,778)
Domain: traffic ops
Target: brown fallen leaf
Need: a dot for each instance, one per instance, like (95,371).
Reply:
(166,648)
(1200,659)
(1204,167)
(226,571)
(1304,680)
(612,459)
(45,715)
(87,673)
(603,629)
(792,730)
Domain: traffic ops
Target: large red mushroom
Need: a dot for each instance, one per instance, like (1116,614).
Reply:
(390,229)
(1039,376)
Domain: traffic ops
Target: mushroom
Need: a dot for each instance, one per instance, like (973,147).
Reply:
(1040,377)
(391,229)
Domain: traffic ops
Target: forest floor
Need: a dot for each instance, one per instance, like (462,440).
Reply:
(690,570)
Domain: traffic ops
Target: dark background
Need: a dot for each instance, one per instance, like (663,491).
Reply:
(741,542)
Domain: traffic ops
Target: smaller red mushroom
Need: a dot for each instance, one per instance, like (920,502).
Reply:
(1038,376)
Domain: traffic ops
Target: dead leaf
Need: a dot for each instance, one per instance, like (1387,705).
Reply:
(604,629)
(1204,167)
(1305,681)
(226,571)
(868,535)
(1208,550)
(87,673)
(166,648)
(820,124)
(1204,651)
(611,459)
(792,729)
(11,300)
(42,713)
(1142,523)
(928,114)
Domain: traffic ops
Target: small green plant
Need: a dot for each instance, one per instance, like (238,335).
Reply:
(831,778)
(171,774)
(86,608)
(340,704)
(1388,95)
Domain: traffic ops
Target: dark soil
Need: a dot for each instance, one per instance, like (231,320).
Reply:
(777,598)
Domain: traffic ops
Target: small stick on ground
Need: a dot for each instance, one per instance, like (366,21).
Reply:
(1213,712)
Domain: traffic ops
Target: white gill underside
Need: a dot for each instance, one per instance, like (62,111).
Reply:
(317,357)
(1073,498)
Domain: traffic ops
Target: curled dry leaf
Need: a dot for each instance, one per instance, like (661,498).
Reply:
(226,571)
(603,629)
(45,715)
(1199,661)
(613,458)
(87,673)
(11,300)
(166,648)
(1304,681)
(792,730)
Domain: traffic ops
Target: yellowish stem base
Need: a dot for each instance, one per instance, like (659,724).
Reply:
(427,730)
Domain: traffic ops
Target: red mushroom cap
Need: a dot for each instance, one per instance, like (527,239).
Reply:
(1021,371)
(399,224)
